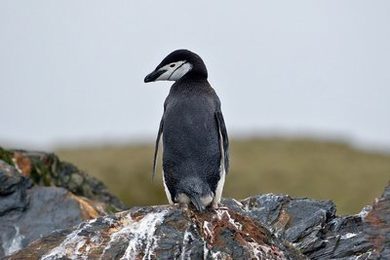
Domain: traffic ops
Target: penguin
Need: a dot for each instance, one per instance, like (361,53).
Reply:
(195,141)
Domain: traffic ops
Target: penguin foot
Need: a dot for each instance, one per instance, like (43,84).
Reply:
(216,206)
(223,208)
(183,206)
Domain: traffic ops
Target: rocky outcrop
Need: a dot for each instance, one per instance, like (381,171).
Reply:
(264,227)
(45,169)
(39,194)
(163,232)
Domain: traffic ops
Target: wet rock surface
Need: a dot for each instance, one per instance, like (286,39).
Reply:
(260,227)
(46,169)
(164,232)
(51,210)
(36,199)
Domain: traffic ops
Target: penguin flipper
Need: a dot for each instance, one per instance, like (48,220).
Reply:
(160,130)
(225,139)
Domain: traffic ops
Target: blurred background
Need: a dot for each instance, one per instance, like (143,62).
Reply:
(304,87)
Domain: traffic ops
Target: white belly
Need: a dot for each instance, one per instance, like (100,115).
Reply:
(169,196)
(218,191)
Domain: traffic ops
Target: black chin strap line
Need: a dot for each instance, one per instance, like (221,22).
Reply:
(177,69)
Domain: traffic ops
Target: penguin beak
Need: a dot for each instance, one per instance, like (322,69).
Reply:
(154,75)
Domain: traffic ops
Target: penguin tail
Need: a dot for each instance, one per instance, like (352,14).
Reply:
(197,191)
(197,203)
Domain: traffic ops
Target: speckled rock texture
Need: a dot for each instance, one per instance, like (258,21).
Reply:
(46,169)
(38,195)
(163,232)
(260,227)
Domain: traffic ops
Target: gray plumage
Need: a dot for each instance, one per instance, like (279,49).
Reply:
(195,141)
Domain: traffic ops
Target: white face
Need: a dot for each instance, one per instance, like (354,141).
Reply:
(174,71)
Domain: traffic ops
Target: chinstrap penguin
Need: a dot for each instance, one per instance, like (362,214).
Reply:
(195,140)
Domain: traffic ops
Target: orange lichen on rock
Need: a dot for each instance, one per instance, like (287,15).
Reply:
(379,222)
(22,163)
(88,209)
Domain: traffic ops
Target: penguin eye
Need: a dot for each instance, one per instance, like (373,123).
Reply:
(172,65)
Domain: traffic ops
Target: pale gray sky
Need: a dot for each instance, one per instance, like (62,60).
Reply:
(72,71)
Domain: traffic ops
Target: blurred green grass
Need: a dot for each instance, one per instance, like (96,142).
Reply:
(299,167)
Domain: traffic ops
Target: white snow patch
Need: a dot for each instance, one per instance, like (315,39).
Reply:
(139,232)
(15,244)
(348,235)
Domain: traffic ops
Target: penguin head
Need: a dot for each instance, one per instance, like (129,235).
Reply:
(178,64)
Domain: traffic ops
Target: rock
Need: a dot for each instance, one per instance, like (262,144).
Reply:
(263,227)
(163,232)
(46,169)
(12,189)
(51,210)
(29,211)
(378,229)
(313,228)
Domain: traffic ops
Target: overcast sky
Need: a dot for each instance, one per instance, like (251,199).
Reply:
(72,71)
